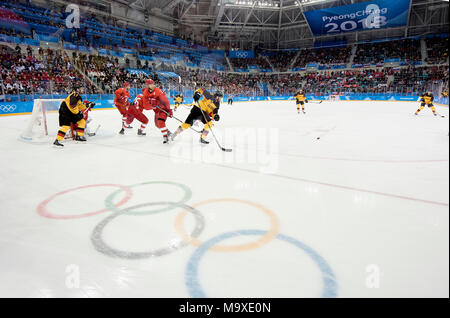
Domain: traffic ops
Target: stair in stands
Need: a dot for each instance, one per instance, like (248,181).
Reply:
(84,75)
(352,55)
(294,59)
(423,51)
(268,61)
(229,64)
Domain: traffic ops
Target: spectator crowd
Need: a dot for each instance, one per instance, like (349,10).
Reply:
(24,71)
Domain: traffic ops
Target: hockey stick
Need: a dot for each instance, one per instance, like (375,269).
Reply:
(97,98)
(94,133)
(88,108)
(177,119)
(440,115)
(313,102)
(210,128)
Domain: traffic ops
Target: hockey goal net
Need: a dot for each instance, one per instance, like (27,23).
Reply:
(44,122)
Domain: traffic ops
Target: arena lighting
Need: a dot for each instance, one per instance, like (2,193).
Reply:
(300,2)
(262,3)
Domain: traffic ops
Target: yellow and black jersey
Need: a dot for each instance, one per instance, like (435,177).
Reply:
(300,96)
(74,103)
(198,94)
(209,103)
(71,110)
(178,99)
(444,94)
(427,98)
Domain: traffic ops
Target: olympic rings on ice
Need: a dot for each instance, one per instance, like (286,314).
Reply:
(265,238)
(42,207)
(329,283)
(101,246)
(187,195)
(329,288)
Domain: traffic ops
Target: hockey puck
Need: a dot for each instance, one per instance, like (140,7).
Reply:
(318,138)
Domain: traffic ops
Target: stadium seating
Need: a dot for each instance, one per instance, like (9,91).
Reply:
(166,57)
(379,52)
(437,50)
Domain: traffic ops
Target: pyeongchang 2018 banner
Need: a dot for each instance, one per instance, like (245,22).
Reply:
(371,15)
(241,54)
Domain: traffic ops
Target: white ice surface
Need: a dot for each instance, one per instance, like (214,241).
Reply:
(373,190)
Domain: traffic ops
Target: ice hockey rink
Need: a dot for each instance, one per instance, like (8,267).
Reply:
(348,200)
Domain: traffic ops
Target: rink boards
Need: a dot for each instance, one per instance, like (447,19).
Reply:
(21,108)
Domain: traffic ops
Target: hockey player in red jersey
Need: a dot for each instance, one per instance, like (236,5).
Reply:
(161,106)
(121,102)
(135,110)
(85,112)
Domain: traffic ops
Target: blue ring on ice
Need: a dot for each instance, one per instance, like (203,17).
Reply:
(195,290)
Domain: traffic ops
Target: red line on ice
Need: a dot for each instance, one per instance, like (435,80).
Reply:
(292,178)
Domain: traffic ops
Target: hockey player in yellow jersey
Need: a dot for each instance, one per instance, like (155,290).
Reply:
(205,109)
(427,99)
(300,99)
(71,112)
(178,100)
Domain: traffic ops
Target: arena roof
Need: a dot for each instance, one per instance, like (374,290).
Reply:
(275,23)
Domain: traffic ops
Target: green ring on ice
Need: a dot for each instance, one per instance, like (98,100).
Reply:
(187,195)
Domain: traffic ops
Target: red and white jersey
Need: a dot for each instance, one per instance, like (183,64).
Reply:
(87,110)
(121,98)
(139,102)
(156,97)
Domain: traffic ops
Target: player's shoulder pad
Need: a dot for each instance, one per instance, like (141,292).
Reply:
(208,95)
(74,98)
(158,91)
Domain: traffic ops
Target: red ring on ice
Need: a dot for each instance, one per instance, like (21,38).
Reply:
(42,207)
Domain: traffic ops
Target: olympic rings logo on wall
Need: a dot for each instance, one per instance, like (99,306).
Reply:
(242,54)
(329,284)
(8,108)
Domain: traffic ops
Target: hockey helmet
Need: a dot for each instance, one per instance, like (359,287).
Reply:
(76,86)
